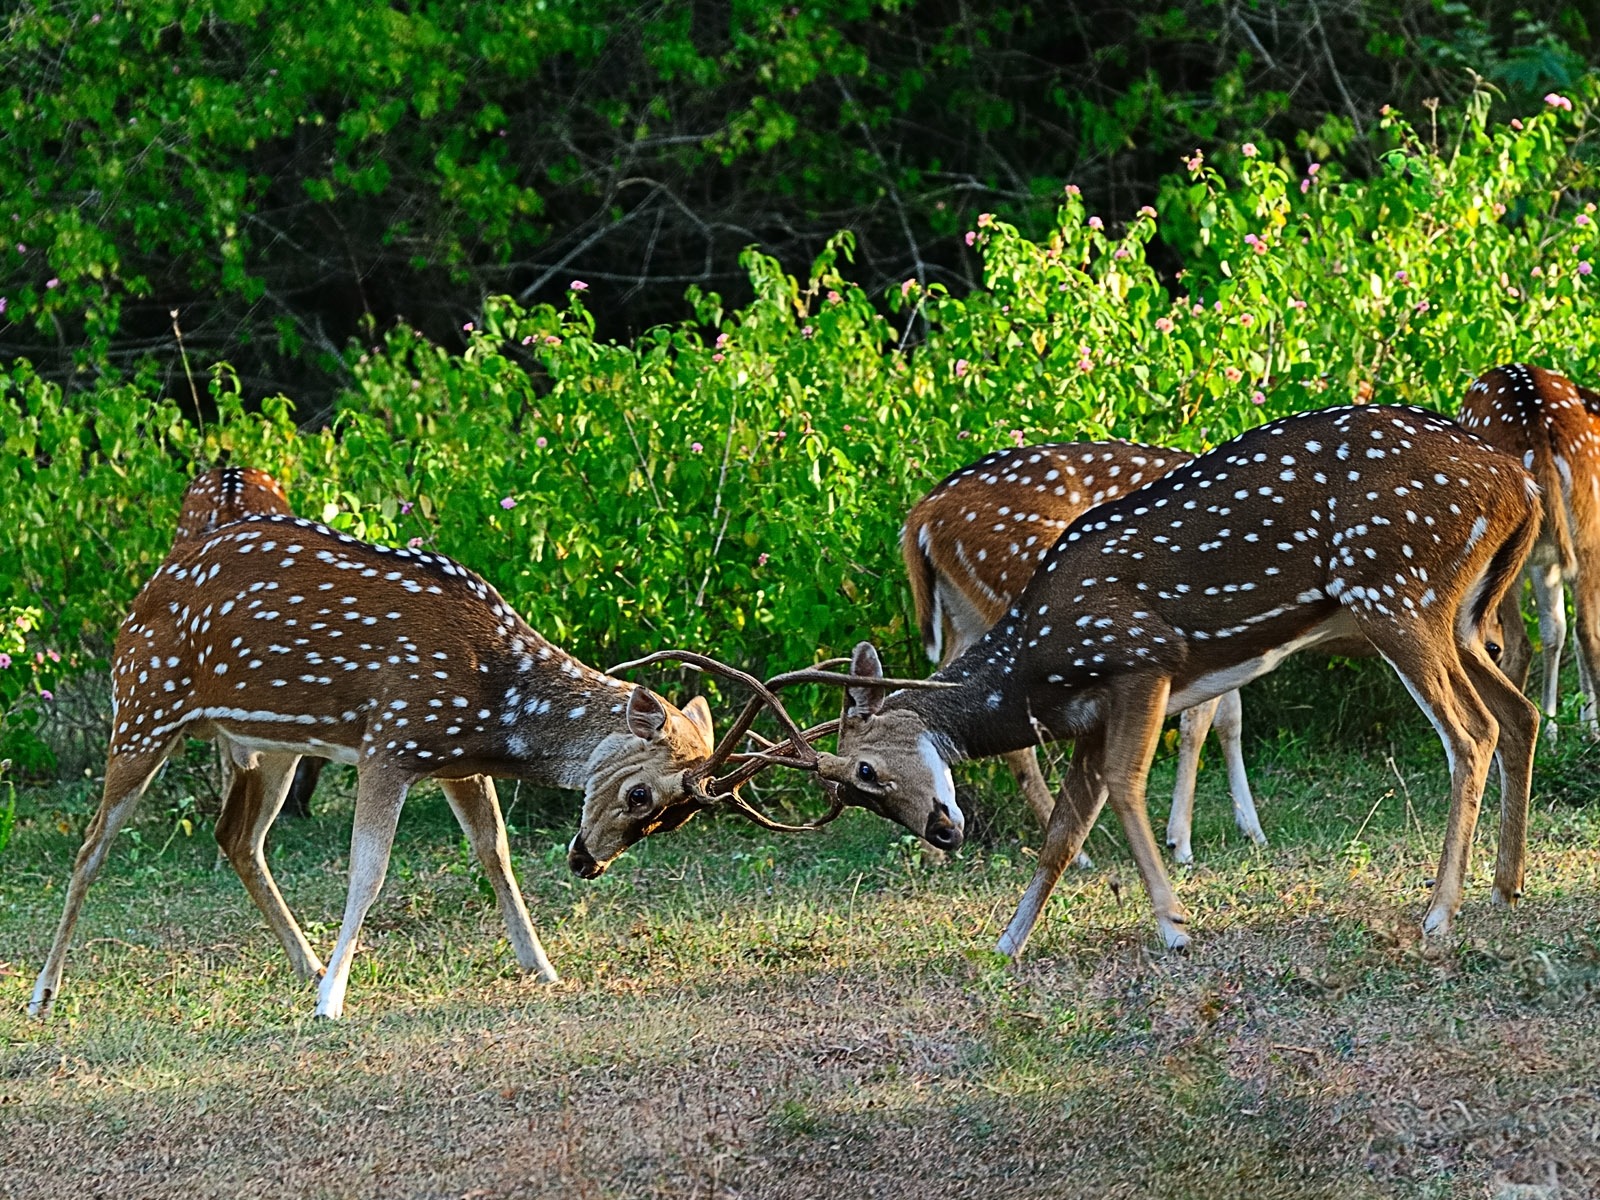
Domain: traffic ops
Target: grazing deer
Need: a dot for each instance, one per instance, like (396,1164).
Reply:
(1382,522)
(216,498)
(971,545)
(1553,426)
(289,639)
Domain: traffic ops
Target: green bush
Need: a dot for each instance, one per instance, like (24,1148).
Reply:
(741,490)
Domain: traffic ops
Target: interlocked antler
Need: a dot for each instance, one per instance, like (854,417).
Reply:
(797,750)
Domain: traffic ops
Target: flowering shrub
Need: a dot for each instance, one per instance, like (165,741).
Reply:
(24,678)
(742,491)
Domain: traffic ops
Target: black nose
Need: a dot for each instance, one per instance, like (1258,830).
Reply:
(942,834)
(580,862)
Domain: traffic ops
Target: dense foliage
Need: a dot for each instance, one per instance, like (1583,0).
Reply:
(280,172)
(743,491)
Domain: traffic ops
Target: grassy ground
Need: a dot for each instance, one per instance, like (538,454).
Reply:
(745,1015)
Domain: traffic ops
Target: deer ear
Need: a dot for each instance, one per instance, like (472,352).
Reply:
(862,701)
(699,714)
(646,715)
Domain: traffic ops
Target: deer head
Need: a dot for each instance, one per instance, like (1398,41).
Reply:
(637,784)
(890,762)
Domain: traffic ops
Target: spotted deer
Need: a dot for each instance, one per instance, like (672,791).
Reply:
(216,498)
(1553,426)
(971,545)
(288,638)
(1387,523)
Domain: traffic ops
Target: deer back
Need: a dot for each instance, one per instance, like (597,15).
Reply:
(284,634)
(973,542)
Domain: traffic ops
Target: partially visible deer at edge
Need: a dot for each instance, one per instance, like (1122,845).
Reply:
(1553,427)
(971,545)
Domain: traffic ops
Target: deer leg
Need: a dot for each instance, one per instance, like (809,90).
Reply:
(1434,676)
(127,777)
(379,794)
(1518,719)
(476,807)
(253,802)
(1083,794)
(1025,769)
(1193,725)
(298,803)
(1229,727)
(1516,651)
(1586,605)
(1132,731)
(1551,599)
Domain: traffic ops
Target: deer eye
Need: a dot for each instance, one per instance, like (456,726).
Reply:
(866,774)
(639,796)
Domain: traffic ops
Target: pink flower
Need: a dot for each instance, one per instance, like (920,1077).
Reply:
(467,328)
(1423,306)
(1249,150)
(1584,268)
(46,694)
(528,341)
(1251,239)
(1233,374)
(551,339)
(1296,302)
(415,543)
(1074,190)
(1305,186)
(961,367)
(985,220)
(53,655)
(963,435)
(718,356)
(5,660)
(972,236)
(1147,211)
(834,297)
(1018,437)
(1085,363)
(695,447)
(2,306)
(1538,272)
(1313,169)
(722,341)
(763,558)
(1401,277)
(1580,221)
(52,283)
(1120,252)
(905,288)
(579,285)
(1516,123)
(1247,319)
(808,331)
(1194,162)
(1198,309)
(1096,223)
(405,507)
(508,502)
(1164,325)
(1258,397)
(1260,247)
(1557,101)
(541,442)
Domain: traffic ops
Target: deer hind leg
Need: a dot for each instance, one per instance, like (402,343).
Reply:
(254,799)
(127,777)
(1550,597)
(1432,672)
(1083,794)
(1230,727)
(379,794)
(1193,725)
(474,802)
(298,803)
(1586,605)
(1518,719)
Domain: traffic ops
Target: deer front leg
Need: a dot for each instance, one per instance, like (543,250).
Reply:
(1230,727)
(1133,728)
(474,802)
(1025,769)
(1193,725)
(1550,599)
(1083,794)
(379,794)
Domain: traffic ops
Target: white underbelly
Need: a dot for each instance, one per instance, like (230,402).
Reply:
(1217,683)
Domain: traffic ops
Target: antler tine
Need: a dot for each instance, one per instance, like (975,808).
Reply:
(814,675)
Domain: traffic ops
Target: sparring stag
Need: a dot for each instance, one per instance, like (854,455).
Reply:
(1553,426)
(287,638)
(1387,523)
(216,498)
(971,545)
